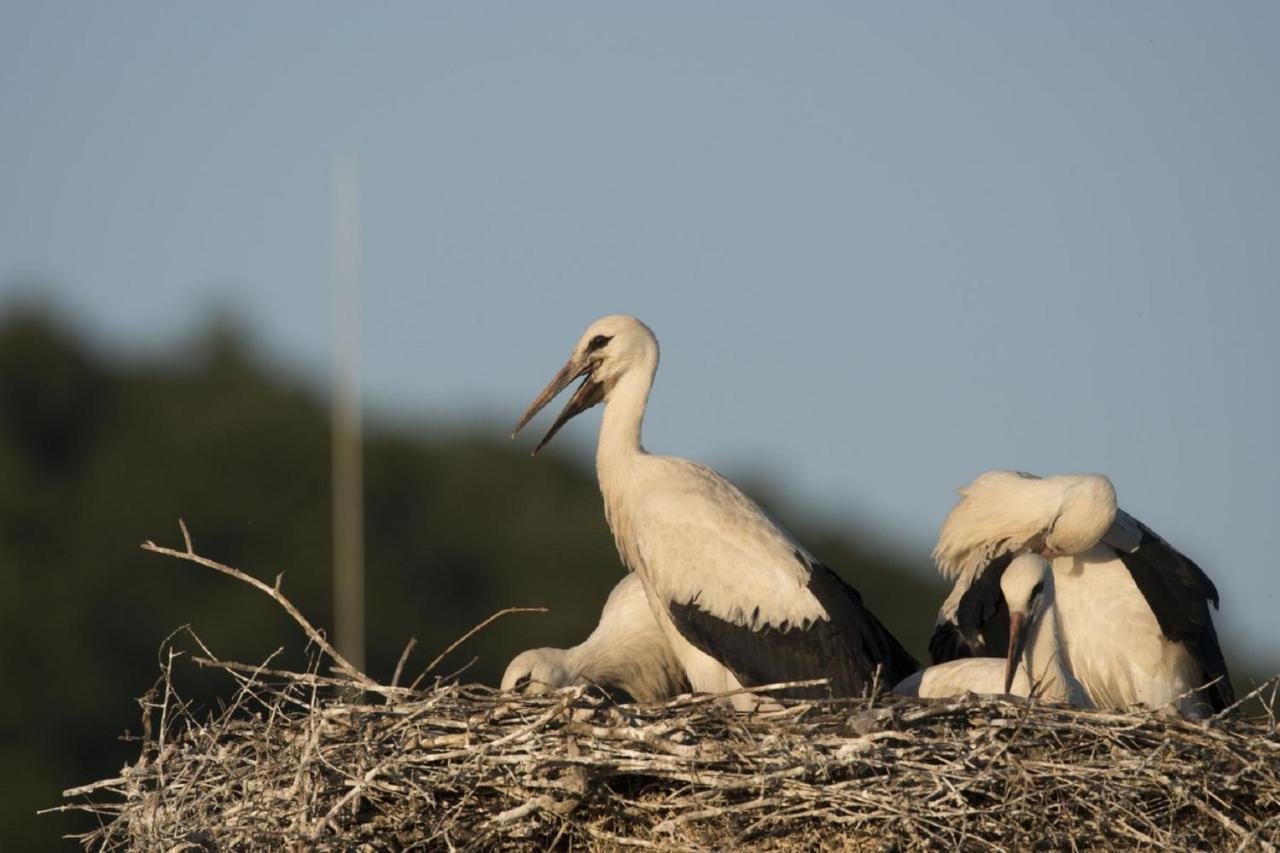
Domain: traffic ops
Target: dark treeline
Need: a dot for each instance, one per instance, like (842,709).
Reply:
(98,453)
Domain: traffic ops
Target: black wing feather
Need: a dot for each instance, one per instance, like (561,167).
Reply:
(847,648)
(947,643)
(981,625)
(1179,593)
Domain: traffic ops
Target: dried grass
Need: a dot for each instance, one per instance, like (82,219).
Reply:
(299,761)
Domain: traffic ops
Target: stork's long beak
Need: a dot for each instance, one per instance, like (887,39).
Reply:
(588,394)
(1017,642)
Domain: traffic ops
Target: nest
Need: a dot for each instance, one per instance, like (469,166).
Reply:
(303,760)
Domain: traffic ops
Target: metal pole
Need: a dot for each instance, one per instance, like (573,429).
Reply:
(347,461)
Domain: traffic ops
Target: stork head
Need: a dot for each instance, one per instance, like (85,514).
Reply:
(536,671)
(1085,514)
(607,350)
(1027,584)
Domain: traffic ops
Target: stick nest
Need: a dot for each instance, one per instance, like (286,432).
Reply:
(309,761)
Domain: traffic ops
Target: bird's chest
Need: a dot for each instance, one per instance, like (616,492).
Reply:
(624,531)
(1109,632)
(1098,601)
(644,516)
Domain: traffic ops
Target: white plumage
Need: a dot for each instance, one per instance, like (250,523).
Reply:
(1133,611)
(1004,512)
(627,651)
(1035,662)
(740,601)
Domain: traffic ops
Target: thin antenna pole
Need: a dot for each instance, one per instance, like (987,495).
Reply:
(347,461)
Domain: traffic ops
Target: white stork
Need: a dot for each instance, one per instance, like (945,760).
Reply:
(626,652)
(740,601)
(1035,660)
(1134,612)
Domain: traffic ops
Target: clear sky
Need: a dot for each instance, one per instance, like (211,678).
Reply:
(885,247)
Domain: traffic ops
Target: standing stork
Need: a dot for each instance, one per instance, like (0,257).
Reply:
(741,602)
(1134,611)
(627,652)
(1035,661)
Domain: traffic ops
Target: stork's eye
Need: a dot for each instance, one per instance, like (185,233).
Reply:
(522,682)
(598,342)
(1037,589)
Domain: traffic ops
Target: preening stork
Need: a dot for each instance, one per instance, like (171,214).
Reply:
(740,601)
(1133,611)
(1034,662)
(627,653)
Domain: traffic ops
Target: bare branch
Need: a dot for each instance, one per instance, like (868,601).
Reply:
(314,635)
(404,656)
(469,635)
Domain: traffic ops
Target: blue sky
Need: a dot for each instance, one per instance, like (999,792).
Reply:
(884,247)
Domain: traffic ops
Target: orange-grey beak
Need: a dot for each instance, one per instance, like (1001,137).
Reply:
(588,394)
(1017,642)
